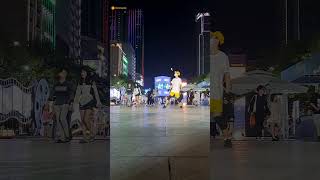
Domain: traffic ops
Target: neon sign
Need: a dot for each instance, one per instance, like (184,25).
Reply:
(162,84)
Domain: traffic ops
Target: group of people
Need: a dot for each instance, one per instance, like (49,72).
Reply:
(262,114)
(197,98)
(132,95)
(65,100)
(265,116)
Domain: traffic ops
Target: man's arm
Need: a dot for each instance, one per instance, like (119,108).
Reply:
(227,80)
(227,76)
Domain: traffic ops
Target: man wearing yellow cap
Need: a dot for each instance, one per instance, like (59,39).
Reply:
(220,75)
(176,86)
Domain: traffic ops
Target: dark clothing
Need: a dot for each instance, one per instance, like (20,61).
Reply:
(228,106)
(150,98)
(314,101)
(262,110)
(62,93)
(190,97)
(129,91)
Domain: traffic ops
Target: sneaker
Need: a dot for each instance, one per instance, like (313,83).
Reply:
(228,143)
(59,141)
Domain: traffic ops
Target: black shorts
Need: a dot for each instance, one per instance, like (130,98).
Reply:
(223,121)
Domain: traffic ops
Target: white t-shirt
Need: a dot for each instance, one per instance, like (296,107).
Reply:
(176,85)
(219,65)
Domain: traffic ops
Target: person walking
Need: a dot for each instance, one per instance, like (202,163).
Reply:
(129,95)
(259,109)
(315,106)
(137,94)
(175,90)
(220,76)
(61,98)
(275,118)
(149,97)
(87,98)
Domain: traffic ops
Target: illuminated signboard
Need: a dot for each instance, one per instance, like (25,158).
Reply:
(118,8)
(162,83)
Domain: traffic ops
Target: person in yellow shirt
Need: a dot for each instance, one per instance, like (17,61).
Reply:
(219,75)
(175,90)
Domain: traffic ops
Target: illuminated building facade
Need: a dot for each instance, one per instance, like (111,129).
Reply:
(122,60)
(135,36)
(27,21)
(48,24)
(203,43)
(127,25)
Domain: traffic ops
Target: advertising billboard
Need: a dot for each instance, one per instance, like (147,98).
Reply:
(162,84)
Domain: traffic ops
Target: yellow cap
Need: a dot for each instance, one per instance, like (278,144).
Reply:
(218,35)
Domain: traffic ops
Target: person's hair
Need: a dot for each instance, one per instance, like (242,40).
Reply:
(260,87)
(88,79)
(218,35)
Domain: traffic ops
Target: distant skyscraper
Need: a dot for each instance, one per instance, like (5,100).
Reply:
(203,43)
(135,36)
(118,28)
(127,25)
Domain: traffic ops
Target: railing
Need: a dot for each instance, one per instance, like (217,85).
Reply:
(21,103)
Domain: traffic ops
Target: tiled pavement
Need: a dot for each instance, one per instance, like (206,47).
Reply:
(36,159)
(159,144)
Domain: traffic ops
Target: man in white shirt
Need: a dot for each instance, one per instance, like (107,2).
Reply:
(176,86)
(220,75)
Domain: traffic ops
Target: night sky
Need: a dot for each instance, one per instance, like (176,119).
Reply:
(170,39)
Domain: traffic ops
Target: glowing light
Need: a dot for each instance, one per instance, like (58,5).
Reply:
(183,84)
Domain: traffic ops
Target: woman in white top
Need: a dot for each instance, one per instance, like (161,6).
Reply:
(87,98)
(275,118)
(137,93)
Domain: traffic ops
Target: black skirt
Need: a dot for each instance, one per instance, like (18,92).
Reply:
(90,105)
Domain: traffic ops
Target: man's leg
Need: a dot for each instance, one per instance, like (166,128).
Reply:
(215,114)
(57,128)
(64,122)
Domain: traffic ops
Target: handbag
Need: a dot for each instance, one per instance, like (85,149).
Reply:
(252,120)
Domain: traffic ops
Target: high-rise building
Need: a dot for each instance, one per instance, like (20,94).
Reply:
(69,27)
(127,25)
(135,36)
(203,43)
(27,21)
(94,33)
(118,19)
(130,55)
(122,60)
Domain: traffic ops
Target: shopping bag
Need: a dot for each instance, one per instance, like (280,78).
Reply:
(252,120)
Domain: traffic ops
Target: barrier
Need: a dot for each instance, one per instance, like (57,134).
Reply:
(21,103)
